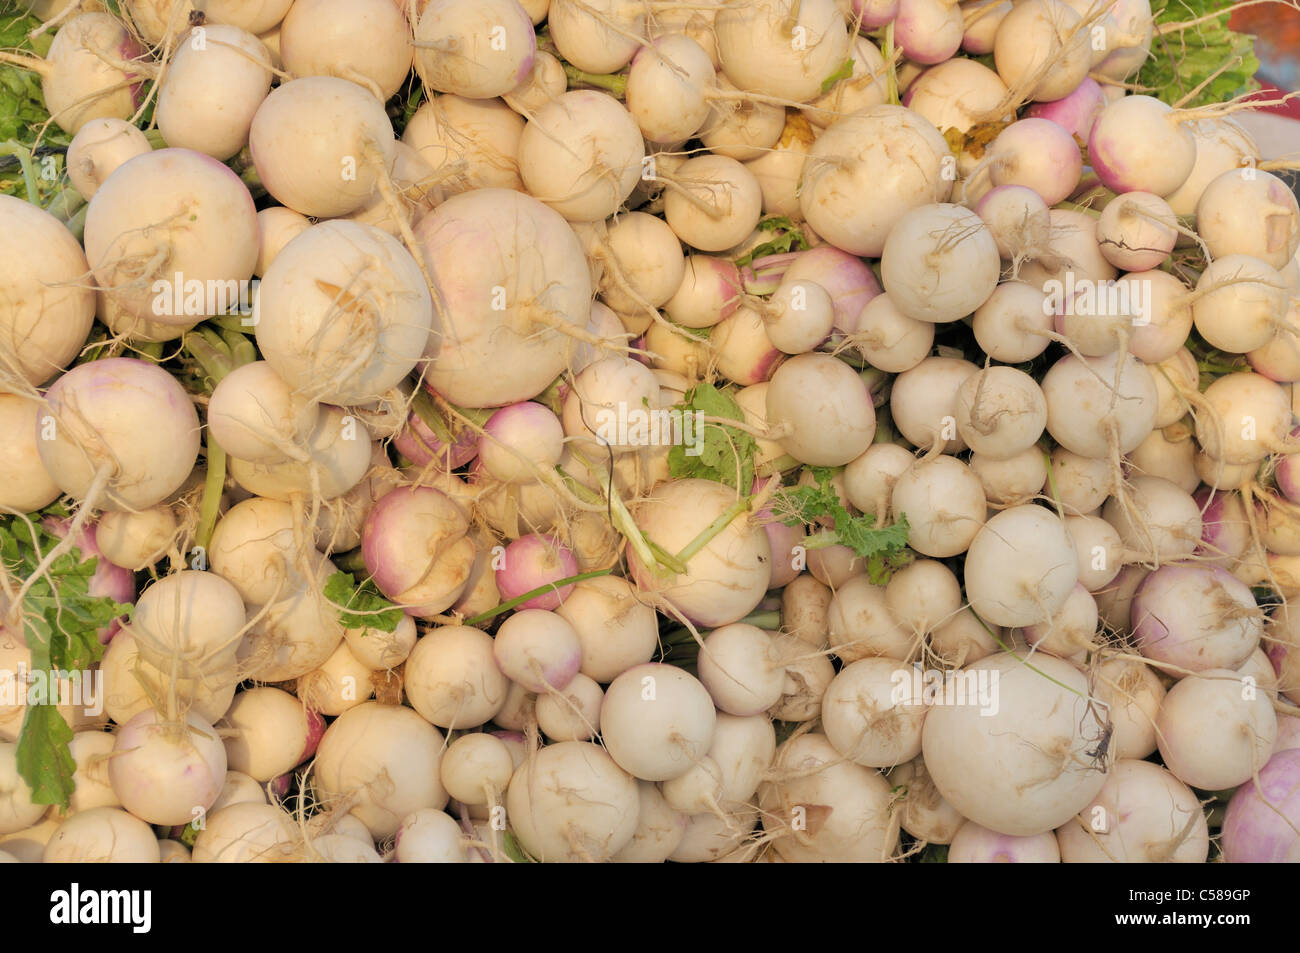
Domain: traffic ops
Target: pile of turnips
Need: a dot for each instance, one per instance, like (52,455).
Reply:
(748,430)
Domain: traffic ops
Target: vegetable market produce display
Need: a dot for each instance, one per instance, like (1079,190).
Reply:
(639,431)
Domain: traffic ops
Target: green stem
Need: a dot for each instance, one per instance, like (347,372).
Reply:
(213,484)
(424,408)
(149,351)
(16,149)
(155,139)
(713,529)
(77,223)
(534,593)
(891,77)
(613,83)
(769,620)
(1077,207)
(353,562)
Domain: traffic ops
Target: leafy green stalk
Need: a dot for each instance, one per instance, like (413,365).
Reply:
(533,594)
(786,237)
(360,605)
(884,548)
(717,452)
(60,620)
(1182,59)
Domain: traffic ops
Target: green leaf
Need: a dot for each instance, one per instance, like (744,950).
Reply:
(787,238)
(1182,59)
(726,455)
(361,606)
(23,113)
(60,623)
(44,760)
(844,72)
(883,547)
(513,850)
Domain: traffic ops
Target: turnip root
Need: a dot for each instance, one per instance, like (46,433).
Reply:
(1215,732)
(256,416)
(380,651)
(1075,112)
(740,667)
(923,595)
(889,339)
(1158,521)
(616,630)
(727,576)
(657,721)
(1222,145)
(659,829)
(758,55)
(383,761)
(343,313)
(574,714)
(94,69)
(1137,144)
(416,549)
(430,836)
(1000,412)
(1015,480)
(1020,567)
(599,36)
(572,802)
(581,155)
(964,638)
(862,155)
(196,229)
(973,844)
(1254,215)
(98,148)
(247,832)
(214,83)
(1240,303)
(483,135)
(46,306)
(943,500)
(538,650)
(295,634)
(939,263)
(924,399)
(1260,823)
(189,624)
(716,204)
(1092,417)
(452,680)
(1022,770)
(859,623)
(509,275)
(320,38)
(924,813)
(1040,49)
(824,808)
(829,429)
(1018,219)
(1070,631)
(1247,418)
(1196,617)
(25,486)
(132,685)
(102,835)
(867,719)
(271,733)
(167,772)
(17,809)
(474,49)
(321,145)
